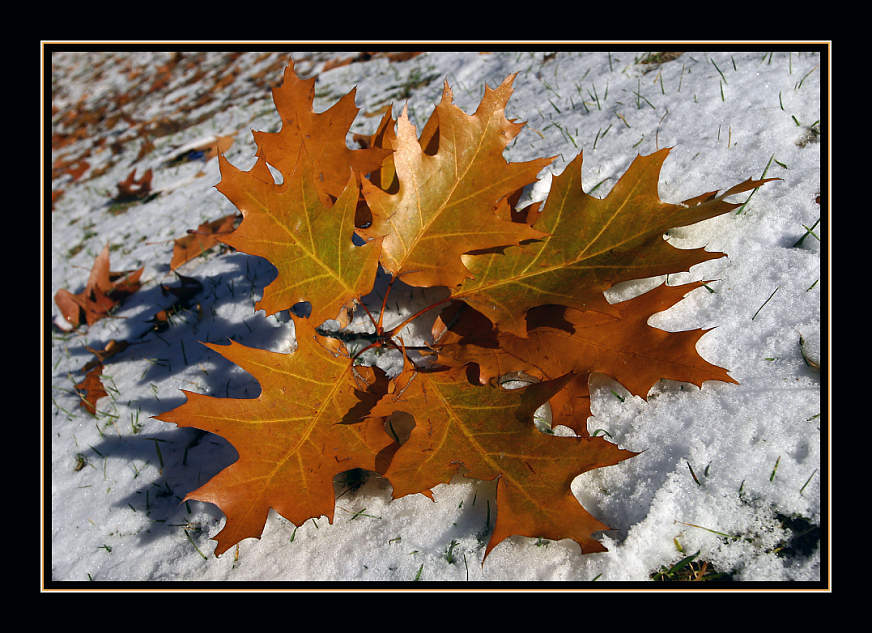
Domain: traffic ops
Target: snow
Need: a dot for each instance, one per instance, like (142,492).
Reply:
(738,473)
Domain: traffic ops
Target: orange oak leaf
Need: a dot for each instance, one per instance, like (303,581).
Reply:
(305,236)
(307,425)
(446,200)
(320,135)
(487,432)
(591,244)
(201,239)
(103,292)
(562,340)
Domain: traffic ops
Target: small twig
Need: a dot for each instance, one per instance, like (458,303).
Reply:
(378,327)
(371,318)
(408,320)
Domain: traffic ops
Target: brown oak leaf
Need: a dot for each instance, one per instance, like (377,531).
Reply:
(622,346)
(103,292)
(132,188)
(109,350)
(486,432)
(91,389)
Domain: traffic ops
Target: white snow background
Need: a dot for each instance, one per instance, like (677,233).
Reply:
(737,473)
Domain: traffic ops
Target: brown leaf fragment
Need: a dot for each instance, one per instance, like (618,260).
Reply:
(366,56)
(91,389)
(75,168)
(55,196)
(204,150)
(146,148)
(132,188)
(111,348)
(201,239)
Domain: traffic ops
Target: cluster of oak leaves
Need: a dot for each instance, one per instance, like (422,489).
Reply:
(434,209)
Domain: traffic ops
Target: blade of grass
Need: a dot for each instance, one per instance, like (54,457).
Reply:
(808,231)
(764,303)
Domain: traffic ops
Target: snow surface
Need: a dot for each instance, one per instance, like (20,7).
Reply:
(737,473)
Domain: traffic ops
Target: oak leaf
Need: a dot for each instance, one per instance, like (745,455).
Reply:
(109,350)
(90,389)
(103,292)
(307,425)
(303,234)
(560,340)
(591,244)
(487,432)
(446,200)
(321,136)
(133,188)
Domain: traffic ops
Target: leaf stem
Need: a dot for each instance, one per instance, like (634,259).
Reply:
(408,320)
(376,343)
(371,318)
(378,327)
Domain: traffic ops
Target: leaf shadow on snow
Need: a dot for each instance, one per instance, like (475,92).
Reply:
(185,459)
(210,317)
(240,280)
